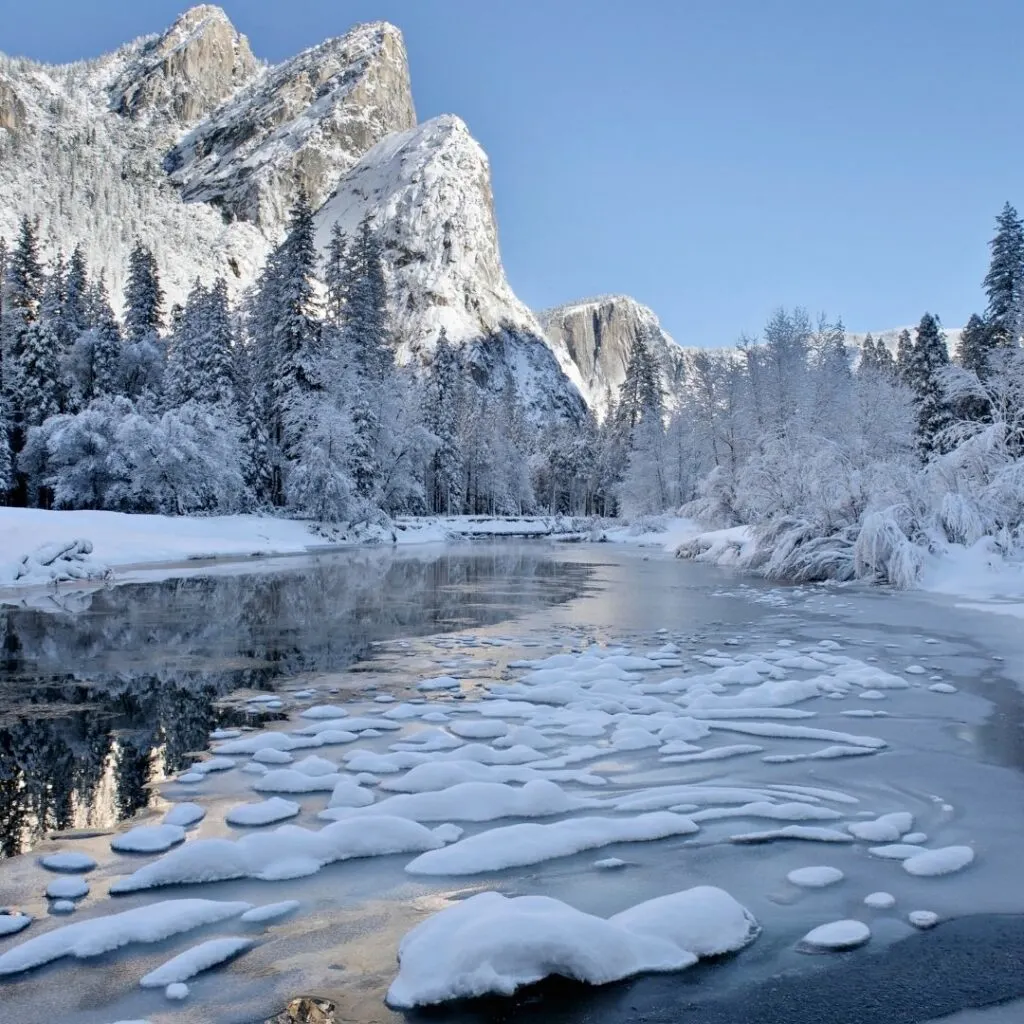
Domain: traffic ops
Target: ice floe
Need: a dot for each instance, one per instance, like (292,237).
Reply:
(194,961)
(835,937)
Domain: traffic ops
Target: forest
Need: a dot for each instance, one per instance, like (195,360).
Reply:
(846,460)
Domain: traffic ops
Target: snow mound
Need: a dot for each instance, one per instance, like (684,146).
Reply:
(270,912)
(148,839)
(880,900)
(939,862)
(493,944)
(184,814)
(69,861)
(12,923)
(835,937)
(816,877)
(67,889)
(286,852)
(265,812)
(55,562)
(152,923)
(195,960)
(519,845)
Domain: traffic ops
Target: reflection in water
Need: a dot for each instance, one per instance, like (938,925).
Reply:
(102,699)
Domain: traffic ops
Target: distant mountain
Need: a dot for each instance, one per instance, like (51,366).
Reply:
(890,337)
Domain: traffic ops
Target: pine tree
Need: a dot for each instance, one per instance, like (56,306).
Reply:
(640,393)
(905,357)
(76,294)
(182,384)
(107,347)
(885,361)
(215,365)
(367,326)
(442,414)
(336,274)
(1004,282)
(143,297)
(868,356)
(930,357)
(975,346)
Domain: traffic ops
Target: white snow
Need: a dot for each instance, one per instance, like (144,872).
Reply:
(148,839)
(70,861)
(815,877)
(184,814)
(923,919)
(12,923)
(493,944)
(177,991)
(519,845)
(269,912)
(195,960)
(271,755)
(288,780)
(880,900)
(836,936)
(265,812)
(808,833)
(939,862)
(151,923)
(71,888)
(286,852)
(886,829)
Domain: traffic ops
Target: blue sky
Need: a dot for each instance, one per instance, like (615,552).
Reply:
(713,158)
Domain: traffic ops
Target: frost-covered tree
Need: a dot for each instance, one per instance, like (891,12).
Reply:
(905,356)
(974,346)
(640,393)
(367,328)
(931,357)
(444,403)
(143,296)
(336,275)
(1004,282)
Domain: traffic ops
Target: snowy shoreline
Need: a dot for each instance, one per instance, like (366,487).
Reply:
(39,548)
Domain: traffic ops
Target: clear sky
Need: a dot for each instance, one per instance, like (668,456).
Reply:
(712,158)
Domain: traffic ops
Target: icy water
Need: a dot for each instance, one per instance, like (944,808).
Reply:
(738,666)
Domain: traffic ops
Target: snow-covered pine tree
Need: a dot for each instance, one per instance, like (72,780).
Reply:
(367,324)
(868,356)
(336,275)
(885,361)
(905,357)
(1004,282)
(640,393)
(215,367)
(143,351)
(106,344)
(930,357)
(286,330)
(443,404)
(181,383)
(974,347)
(76,294)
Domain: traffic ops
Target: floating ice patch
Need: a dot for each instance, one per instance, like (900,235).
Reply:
(348,793)
(791,811)
(151,923)
(779,730)
(270,912)
(68,861)
(196,960)
(494,944)
(67,889)
(287,780)
(225,734)
(519,845)
(923,919)
(439,683)
(487,729)
(315,766)
(429,741)
(271,755)
(351,725)
(825,754)
(324,711)
(942,688)
(835,937)
(267,740)
(477,801)
(916,838)
(815,877)
(886,829)
(714,753)
(286,852)
(148,839)
(609,864)
(895,851)
(806,833)
(915,670)
(865,713)
(880,900)
(11,924)
(266,812)
(184,814)
(939,862)
(435,775)
(213,764)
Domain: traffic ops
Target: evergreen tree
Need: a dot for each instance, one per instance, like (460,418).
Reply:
(106,344)
(215,367)
(975,346)
(885,361)
(869,356)
(367,326)
(336,274)
(1004,282)
(183,354)
(905,357)
(930,357)
(442,412)
(143,297)
(76,295)
(640,393)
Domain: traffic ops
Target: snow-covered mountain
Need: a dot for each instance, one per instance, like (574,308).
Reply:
(187,142)
(428,193)
(598,334)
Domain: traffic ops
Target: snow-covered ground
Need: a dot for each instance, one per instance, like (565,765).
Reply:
(39,546)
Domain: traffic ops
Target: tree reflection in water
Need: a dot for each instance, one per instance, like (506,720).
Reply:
(108,691)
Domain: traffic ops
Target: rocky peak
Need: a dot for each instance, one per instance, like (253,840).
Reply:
(12,109)
(302,124)
(598,335)
(186,72)
(428,194)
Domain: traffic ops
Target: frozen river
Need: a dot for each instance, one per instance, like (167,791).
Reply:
(574,682)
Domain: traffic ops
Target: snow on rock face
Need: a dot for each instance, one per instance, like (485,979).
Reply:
(299,125)
(428,192)
(493,944)
(598,335)
(186,72)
